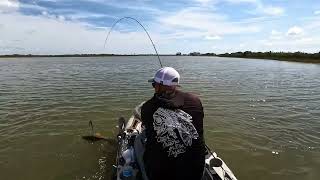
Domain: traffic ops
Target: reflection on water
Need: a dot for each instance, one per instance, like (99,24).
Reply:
(261,113)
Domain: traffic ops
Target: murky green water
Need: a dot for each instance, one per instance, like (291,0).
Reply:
(262,117)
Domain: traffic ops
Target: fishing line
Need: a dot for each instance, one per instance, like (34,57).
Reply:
(114,24)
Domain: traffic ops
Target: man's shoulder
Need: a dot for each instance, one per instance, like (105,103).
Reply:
(190,96)
(148,104)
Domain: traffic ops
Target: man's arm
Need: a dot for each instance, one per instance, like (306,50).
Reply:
(143,114)
(193,106)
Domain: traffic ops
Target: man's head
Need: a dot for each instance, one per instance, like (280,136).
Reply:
(165,80)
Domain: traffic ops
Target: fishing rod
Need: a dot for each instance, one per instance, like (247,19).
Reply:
(97,136)
(145,30)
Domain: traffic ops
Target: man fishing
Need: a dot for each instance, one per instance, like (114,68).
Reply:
(173,121)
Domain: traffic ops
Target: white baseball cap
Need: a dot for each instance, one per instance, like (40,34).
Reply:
(167,76)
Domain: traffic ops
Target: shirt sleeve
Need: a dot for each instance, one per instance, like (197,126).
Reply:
(143,114)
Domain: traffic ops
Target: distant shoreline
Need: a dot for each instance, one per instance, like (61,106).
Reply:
(280,56)
(313,61)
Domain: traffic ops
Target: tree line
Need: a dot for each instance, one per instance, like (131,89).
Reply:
(287,56)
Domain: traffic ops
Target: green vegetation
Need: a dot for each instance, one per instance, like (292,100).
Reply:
(282,56)
(285,56)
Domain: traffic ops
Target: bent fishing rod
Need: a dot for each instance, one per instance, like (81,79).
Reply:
(145,30)
(97,136)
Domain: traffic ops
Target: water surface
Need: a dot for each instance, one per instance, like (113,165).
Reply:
(261,116)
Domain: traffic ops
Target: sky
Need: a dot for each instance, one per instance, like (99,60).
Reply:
(215,26)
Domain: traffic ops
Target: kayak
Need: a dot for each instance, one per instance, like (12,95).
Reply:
(129,161)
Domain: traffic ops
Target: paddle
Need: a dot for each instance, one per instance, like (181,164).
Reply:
(94,136)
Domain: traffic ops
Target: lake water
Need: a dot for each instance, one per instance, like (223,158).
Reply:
(261,116)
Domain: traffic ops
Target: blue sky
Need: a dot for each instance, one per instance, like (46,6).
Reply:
(80,26)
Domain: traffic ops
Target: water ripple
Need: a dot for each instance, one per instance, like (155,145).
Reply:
(264,113)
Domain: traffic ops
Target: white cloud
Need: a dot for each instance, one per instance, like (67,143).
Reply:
(295,31)
(208,37)
(9,5)
(50,0)
(262,8)
(243,1)
(75,15)
(203,1)
(140,6)
(275,32)
(45,13)
(287,44)
(273,11)
(61,18)
(206,2)
(198,22)
(84,15)
(317,12)
(306,40)
(21,34)
(295,39)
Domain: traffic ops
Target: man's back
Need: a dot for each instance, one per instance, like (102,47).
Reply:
(174,129)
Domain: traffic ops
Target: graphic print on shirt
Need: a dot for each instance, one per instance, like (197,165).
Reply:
(174,129)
